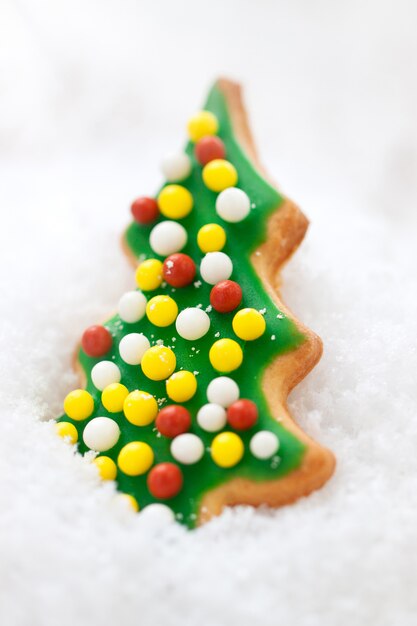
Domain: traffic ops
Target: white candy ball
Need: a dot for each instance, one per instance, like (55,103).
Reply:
(132,306)
(233,205)
(101,434)
(105,373)
(264,444)
(176,167)
(216,266)
(223,390)
(211,417)
(167,237)
(192,323)
(132,348)
(187,448)
(158,514)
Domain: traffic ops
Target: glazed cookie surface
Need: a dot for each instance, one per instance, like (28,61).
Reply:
(186,386)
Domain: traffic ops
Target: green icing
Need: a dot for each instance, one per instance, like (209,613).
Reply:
(242,239)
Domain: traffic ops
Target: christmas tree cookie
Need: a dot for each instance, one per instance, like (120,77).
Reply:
(186,385)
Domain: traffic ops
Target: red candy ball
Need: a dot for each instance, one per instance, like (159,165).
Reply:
(208,149)
(179,270)
(242,414)
(226,296)
(96,341)
(173,420)
(165,481)
(144,210)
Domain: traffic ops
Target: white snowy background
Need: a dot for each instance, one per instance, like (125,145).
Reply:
(92,94)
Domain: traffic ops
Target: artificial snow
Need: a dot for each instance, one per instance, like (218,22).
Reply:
(93,95)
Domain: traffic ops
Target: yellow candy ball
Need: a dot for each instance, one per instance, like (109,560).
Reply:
(202,124)
(158,363)
(107,468)
(181,386)
(79,404)
(227,449)
(66,430)
(140,408)
(226,355)
(211,238)
(131,501)
(135,458)
(162,311)
(249,324)
(149,275)
(175,202)
(219,174)
(113,397)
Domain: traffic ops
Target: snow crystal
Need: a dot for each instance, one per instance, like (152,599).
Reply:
(275,461)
